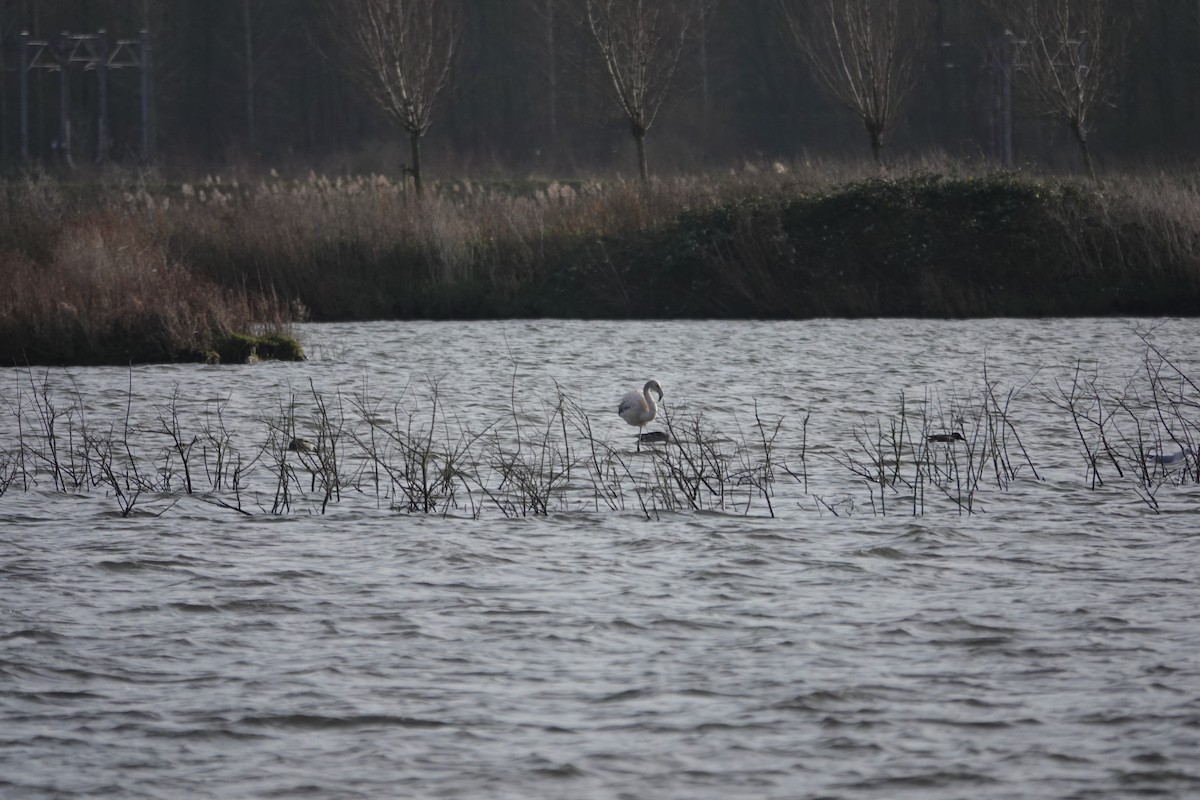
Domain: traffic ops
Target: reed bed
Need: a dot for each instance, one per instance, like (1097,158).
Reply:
(91,284)
(946,451)
(1143,434)
(930,239)
(941,449)
(412,455)
(130,267)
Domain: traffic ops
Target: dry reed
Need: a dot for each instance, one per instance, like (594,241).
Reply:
(131,268)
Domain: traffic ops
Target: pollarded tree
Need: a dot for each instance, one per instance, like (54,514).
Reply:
(1067,54)
(866,53)
(640,43)
(404,51)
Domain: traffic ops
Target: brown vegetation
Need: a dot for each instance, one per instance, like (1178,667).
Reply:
(90,286)
(118,272)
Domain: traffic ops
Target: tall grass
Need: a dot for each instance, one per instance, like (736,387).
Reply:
(788,241)
(127,268)
(91,283)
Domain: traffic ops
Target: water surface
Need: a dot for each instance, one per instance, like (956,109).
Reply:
(1042,646)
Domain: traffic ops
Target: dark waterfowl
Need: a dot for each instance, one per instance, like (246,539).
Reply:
(301,446)
(946,438)
(654,437)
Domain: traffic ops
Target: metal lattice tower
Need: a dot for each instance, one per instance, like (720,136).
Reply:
(94,53)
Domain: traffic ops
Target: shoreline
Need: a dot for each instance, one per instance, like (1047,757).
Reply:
(177,272)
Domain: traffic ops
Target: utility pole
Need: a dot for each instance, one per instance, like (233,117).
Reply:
(144,64)
(1010,62)
(248,44)
(62,55)
(93,53)
(1004,62)
(24,81)
(103,138)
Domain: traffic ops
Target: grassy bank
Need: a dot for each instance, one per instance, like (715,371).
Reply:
(122,269)
(88,282)
(929,245)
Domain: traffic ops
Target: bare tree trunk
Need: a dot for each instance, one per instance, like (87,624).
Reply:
(1084,150)
(414,141)
(876,147)
(639,136)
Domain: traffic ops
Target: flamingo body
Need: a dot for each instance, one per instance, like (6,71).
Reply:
(639,408)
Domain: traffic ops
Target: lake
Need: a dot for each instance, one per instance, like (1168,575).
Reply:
(432,561)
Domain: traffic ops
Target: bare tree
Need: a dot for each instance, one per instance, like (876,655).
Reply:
(866,53)
(404,50)
(1067,54)
(640,43)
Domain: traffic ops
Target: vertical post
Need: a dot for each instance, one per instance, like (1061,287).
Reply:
(3,109)
(990,109)
(1006,120)
(24,47)
(64,100)
(144,60)
(101,60)
(705,109)
(552,75)
(248,45)
(942,73)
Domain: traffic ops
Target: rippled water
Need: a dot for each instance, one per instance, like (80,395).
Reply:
(1044,646)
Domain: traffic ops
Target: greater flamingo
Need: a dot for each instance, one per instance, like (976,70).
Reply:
(638,408)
